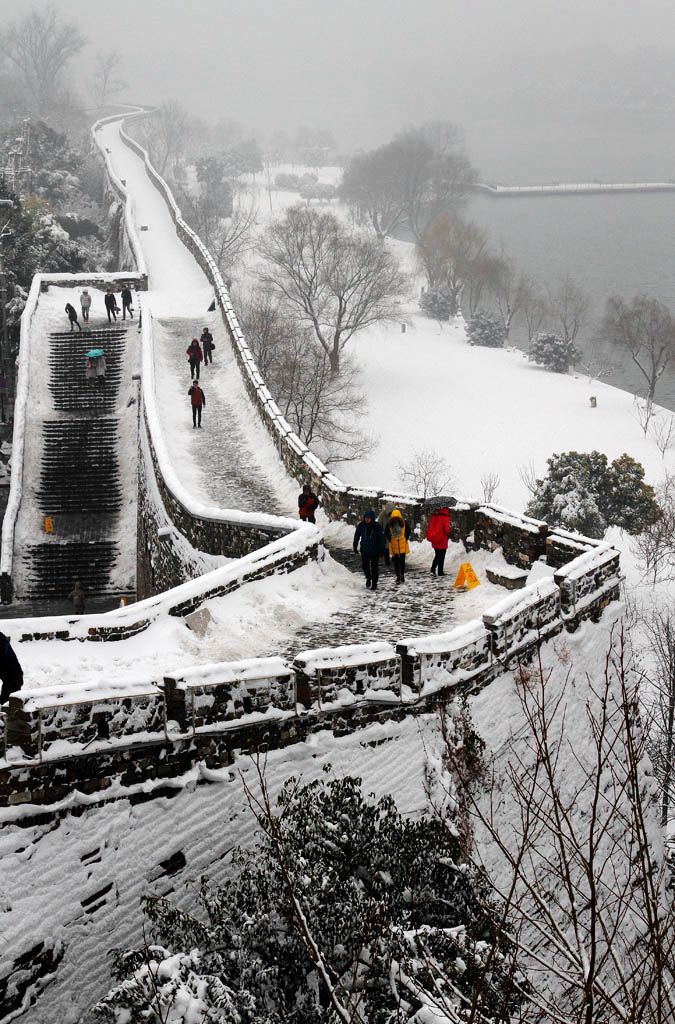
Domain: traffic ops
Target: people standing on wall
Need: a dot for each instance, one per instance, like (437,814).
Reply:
(308,503)
(85,304)
(382,520)
(11,672)
(194,354)
(370,536)
(77,597)
(111,306)
(207,345)
(198,402)
(72,316)
(438,535)
(398,533)
(127,299)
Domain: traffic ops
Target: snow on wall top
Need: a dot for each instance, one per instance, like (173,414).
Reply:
(599,556)
(504,515)
(344,656)
(440,643)
(512,605)
(84,693)
(231,672)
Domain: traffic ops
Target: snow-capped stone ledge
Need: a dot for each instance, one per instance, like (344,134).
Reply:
(324,675)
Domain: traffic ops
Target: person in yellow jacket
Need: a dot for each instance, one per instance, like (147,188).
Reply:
(397,534)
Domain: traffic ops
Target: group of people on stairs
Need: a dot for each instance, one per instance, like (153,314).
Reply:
(199,350)
(111,307)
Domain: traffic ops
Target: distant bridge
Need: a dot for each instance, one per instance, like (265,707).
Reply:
(573,188)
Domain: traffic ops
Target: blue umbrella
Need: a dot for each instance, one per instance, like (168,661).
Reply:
(93,353)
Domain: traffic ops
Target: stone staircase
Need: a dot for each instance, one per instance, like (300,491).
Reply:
(79,484)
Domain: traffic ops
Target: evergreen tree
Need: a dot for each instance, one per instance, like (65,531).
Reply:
(553,352)
(584,493)
(486,330)
(344,910)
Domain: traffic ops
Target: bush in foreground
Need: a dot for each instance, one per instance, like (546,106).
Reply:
(553,352)
(485,330)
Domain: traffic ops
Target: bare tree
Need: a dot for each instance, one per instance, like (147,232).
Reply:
(107,79)
(643,411)
(659,625)
(528,476)
(451,252)
(167,133)
(228,235)
(654,547)
(490,484)
(323,408)
(534,308)
(569,307)
(434,174)
(426,473)
(646,330)
(511,290)
(372,189)
(663,432)
(571,847)
(40,46)
(333,280)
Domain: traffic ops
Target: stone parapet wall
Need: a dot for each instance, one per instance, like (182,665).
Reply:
(86,739)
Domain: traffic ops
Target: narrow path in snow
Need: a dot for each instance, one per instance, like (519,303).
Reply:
(231,461)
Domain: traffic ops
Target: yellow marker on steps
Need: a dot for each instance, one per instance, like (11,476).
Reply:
(466,577)
(49,524)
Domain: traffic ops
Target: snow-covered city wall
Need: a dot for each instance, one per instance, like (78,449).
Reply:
(160,727)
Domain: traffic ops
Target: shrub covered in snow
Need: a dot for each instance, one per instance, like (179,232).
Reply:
(342,903)
(553,352)
(317,190)
(582,491)
(285,180)
(486,330)
(436,303)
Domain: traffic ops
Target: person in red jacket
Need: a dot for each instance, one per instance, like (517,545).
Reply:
(198,400)
(438,535)
(194,354)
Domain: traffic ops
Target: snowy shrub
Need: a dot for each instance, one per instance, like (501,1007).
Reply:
(317,190)
(584,493)
(488,331)
(341,903)
(553,352)
(436,303)
(290,182)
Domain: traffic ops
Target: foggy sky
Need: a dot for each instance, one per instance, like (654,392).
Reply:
(366,67)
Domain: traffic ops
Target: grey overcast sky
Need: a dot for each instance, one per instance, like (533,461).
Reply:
(366,67)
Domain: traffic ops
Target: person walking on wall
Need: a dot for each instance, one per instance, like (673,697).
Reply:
(194,354)
(11,672)
(76,597)
(111,306)
(207,345)
(198,402)
(85,304)
(308,503)
(127,299)
(370,535)
(438,535)
(383,519)
(72,316)
(398,533)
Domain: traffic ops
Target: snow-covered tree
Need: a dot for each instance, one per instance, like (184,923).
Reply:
(486,330)
(344,911)
(436,303)
(583,492)
(553,352)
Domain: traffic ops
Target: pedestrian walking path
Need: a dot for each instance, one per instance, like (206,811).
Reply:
(231,461)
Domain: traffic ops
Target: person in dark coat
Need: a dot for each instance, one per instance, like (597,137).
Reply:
(11,672)
(308,503)
(72,316)
(76,597)
(397,534)
(207,345)
(194,354)
(198,401)
(111,306)
(370,535)
(438,535)
(127,299)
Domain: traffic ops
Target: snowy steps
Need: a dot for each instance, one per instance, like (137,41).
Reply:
(79,484)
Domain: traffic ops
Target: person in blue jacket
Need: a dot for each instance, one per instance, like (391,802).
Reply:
(370,536)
